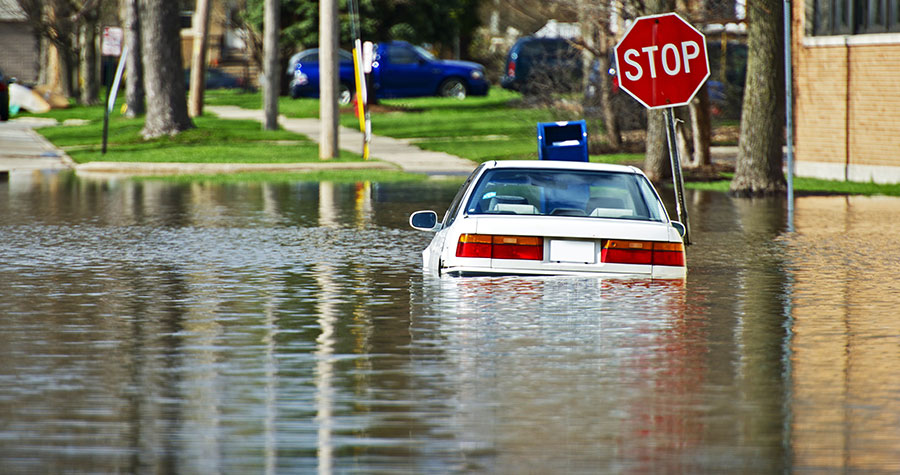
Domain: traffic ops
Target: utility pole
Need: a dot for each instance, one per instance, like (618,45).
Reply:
(272,76)
(328,79)
(198,58)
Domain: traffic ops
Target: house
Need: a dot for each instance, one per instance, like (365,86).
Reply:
(227,46)
(18,43)
(846,66)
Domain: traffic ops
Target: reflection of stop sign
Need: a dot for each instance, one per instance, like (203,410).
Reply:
(662,61)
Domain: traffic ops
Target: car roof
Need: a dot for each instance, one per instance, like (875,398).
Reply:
(562,165)
(310,51)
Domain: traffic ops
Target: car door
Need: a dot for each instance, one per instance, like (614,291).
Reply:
(405,73)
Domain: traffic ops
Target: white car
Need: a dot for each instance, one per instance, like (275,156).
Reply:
(526,217)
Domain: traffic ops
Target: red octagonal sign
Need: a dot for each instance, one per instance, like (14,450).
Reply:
(661,61)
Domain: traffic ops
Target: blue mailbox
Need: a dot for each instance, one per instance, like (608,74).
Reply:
(563,141)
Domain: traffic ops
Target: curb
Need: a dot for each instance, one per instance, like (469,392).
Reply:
(100,170)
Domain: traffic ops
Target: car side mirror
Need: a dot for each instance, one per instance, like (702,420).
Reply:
(424,220)
(680,228)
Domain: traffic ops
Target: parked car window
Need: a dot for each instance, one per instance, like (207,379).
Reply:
(538,65)
(401,55)
(452,211)
(532,48)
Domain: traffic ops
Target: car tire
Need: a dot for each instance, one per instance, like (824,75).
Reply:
(453,87)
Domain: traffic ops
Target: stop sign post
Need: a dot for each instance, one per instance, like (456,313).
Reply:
(662,62)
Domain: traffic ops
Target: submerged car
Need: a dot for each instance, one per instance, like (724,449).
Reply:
(526,217)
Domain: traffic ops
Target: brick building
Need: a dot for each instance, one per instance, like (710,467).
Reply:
(846,56)
(19,46)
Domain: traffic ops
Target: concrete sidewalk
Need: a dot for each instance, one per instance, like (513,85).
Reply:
(408,157)
(23,149)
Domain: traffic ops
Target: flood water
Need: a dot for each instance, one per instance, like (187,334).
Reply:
(288,328)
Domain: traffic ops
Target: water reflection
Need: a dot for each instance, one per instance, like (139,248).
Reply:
(276,328)
(846,336)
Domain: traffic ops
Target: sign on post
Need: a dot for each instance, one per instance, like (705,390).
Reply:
(662,61)
(112,41)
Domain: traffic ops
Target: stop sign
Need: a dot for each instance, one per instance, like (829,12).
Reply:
(661,61)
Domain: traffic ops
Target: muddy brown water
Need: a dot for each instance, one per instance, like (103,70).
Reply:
(288,328)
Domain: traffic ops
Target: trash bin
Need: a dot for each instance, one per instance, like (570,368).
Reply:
(563,141)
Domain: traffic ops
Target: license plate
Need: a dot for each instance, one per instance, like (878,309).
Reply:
(572,251)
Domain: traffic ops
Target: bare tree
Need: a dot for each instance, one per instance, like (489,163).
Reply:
(134,86)
(758,169)
(613,132)
(53,20)
(163,73)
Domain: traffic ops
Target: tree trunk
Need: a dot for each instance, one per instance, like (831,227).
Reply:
(657,165)
(272,67)
(164,69)
(134,83)
(701,127)
(198,58)
(759,163)
(90,76)
(67,69)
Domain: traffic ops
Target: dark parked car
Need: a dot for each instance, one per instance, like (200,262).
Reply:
(399,69)
(4,97)
(536,65)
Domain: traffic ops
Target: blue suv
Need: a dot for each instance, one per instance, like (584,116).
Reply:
(536,65)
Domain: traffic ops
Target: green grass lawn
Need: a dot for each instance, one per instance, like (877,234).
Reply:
(811,186)
(493,127)
(213,140)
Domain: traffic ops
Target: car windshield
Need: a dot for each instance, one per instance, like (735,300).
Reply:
(598,194)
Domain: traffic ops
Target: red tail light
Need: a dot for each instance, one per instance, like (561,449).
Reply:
(668,254)
(511,69)
(474,245)
(643,252)
(500,247)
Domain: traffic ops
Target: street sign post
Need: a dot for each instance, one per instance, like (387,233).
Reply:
(662,62)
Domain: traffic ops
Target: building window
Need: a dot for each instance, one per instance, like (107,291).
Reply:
(855,17)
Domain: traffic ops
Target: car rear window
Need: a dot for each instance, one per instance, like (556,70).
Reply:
(544,192)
